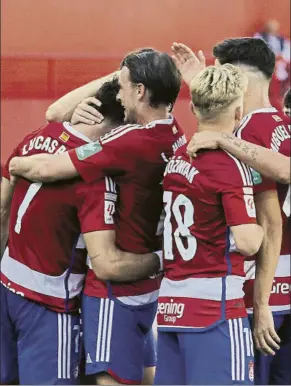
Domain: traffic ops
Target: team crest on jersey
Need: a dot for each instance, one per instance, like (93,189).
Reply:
(277,118)
(251,371)
(64,137)
(174,130)
(88,150)
(257,179)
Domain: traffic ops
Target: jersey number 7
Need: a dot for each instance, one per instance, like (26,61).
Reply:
(182,230)
(31,192)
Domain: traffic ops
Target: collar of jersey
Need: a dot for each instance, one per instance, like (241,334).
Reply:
(166,121)
(68,126)
(263,110)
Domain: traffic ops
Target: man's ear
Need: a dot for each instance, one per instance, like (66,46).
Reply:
(141,90)
(238,113)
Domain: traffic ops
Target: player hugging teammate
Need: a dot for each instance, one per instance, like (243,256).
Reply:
(221,220)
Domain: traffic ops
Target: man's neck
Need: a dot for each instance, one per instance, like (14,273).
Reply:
(218,126)
(93,132)
(149,114)
(256,97)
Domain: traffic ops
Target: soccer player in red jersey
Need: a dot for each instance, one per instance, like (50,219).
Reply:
(265,126)
(210,224)
(135,155)
(268,127)
(273,165)
(44,264)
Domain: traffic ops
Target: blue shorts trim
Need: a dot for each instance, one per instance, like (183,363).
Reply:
(38,346)
(220,356)
(117,340)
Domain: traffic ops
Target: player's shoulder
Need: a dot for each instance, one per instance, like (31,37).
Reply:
(65,133)
(127,131)
(260,121)
(120,133)
(44,130)
(224,168)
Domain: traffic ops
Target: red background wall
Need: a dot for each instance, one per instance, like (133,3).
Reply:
(51,46)
(114,26)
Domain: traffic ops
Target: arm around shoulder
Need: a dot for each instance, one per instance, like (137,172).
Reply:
(43,167)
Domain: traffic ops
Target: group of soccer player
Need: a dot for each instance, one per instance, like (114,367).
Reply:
(109,219)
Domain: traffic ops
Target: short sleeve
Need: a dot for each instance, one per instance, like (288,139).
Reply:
(236,189)
(97,205)
(239,206)
(112,155)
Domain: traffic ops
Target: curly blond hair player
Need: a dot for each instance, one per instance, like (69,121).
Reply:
(217,93)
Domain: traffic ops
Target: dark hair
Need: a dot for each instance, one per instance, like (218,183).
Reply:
(157,72)
(250,51)
(110,108)
(287,99)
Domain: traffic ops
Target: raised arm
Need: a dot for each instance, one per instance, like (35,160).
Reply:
(110,263)
(62,109)
(270,164)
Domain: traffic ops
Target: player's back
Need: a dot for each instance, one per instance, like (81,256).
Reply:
(271,128)
(45,259)
(202,266)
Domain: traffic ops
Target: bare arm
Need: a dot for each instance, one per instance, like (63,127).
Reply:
(270,164)
(248,238)
(110,263)
(43,167)
(269,217)
(62,110)
(267,162)
(6,198)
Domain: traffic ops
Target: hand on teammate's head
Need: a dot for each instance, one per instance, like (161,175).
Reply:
(87,113)
(187,62)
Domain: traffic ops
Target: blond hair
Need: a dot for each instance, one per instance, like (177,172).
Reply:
(216,88)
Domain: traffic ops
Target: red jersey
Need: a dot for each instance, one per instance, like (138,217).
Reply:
(136,157)
(203,271)
(45,260)
(270,128)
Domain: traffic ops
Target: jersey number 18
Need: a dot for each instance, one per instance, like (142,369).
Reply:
(184,222)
